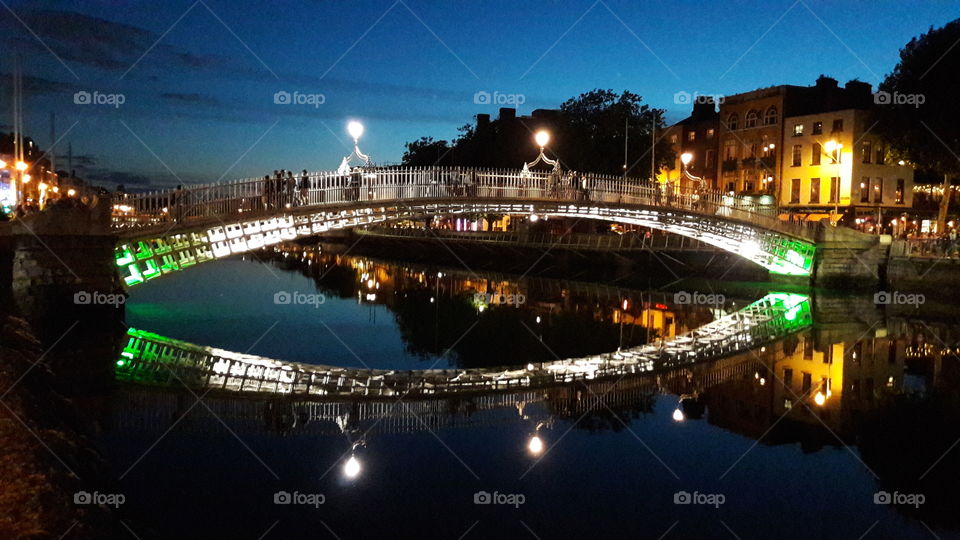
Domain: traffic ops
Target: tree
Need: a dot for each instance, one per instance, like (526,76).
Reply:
(918,105)
(597,125)
(426,152)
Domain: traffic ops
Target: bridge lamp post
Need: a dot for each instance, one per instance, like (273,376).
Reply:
(541,137)
(834,149)
(685,159)
(535,445)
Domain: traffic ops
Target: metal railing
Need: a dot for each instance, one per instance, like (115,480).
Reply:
(611,242)
(265,196)
(926,248)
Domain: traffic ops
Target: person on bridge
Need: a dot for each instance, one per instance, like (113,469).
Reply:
(304,188)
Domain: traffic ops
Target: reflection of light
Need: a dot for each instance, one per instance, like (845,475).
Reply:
(529,367)
(431,299)
(481,307)
(439,274)
(370,283)
(371,297)
(678,415)
(352,467)
(538,319)
(535,445)
(533,218)
(762,381)
(819,399)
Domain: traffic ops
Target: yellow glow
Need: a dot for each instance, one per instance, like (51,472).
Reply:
(820,399)
(26,178)
(2,163)
(21,166)
(71,192)
(686,158)
(830,146)
(542,137)
(535,446)
(56,189)
(43,187)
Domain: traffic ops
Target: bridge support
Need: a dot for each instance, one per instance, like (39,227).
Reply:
(848,259)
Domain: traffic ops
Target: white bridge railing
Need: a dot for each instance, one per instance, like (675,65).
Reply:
(263,196)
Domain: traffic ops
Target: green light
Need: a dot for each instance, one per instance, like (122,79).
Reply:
(120,363)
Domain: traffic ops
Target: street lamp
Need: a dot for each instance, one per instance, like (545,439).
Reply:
(21,166)
(834,148)
(685,159)
(541,137)
(355,129)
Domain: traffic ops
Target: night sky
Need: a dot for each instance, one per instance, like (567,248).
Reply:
(199,79)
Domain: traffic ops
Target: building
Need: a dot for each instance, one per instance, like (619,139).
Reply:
(696,135)
(833,162)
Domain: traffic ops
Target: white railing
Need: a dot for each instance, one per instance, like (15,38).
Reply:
(260,196)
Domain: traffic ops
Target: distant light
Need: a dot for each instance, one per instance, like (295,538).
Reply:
(538,319)
(56,189)
(431,299)
(686,158)
(355,129)
(2,163)
(439,274)
(120,363)
(830,146)
(43,186)
(678,415)
(370,283)
(533,218)
(21,166)
(820,399)
(481,308)
(26,178)
(352,467)
(762,381)
(901,163)
(529,367)
(535,445)
(542,137)
(71,192)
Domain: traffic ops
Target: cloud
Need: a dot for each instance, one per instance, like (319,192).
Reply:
(190,98)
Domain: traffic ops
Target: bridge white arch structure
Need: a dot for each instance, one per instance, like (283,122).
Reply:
(166,231)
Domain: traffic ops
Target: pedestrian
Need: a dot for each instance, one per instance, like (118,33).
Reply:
(304,187)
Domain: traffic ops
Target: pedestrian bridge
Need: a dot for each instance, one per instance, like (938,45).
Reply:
(151,359)
(167,231)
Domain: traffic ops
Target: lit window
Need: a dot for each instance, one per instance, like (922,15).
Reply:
(797,130)
(691,135)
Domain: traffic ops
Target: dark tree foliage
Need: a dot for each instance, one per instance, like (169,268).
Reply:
(426,152)
(587,134)
(927,133)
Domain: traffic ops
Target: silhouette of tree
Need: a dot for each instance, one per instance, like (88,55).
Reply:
(425,152)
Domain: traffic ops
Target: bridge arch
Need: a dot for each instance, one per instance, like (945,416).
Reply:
(164,232)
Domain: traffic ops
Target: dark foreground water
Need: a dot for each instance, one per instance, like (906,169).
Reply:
(808,437)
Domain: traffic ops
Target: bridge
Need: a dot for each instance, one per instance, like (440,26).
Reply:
(166,231)
(156,360)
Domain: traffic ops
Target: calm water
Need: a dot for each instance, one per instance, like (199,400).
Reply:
(615,455)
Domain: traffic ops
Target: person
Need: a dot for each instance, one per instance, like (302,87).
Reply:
(178,204)
(267,191)
(304,187)
(584,192)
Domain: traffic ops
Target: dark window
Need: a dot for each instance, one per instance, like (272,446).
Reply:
(892,352)
(867,152)
(817,152)
(730,150)
(711,157)
(770,117)
(795,190)
(808,348)
(817,128)
(881,155)
(710,133)
(838,125)
(807,383)
(733,121)
(834,189)
(814,191)
(865,189)
(797,154)
(900,187)
(751,120)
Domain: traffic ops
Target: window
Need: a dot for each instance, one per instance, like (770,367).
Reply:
(770,117)
(807,383)
(867,152)
(834,189)
(691,135)
(814,191)
(673,139)
(817,128)
(754,147)
(881,155)
(838,125)
(711,158)
(733,122)
(900,186)
(797,154)
(751,120)
(797,130)
(710,133)
(865,189)
(730,150)
(731,186)
(878,190)
(817,153)
(795,191)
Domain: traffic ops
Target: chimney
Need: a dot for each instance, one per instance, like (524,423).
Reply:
(703,107)
(483,120)
(826,82)
(507,113)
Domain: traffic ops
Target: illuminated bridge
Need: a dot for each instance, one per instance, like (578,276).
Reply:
(166,231)
(151,359)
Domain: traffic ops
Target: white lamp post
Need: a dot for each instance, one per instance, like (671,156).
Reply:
(355,129)
(542,137)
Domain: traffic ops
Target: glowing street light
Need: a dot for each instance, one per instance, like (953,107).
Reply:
(535,446)
(542,137)
(21,166)
(355,129)
(3,164)
(820,399)
(351,468)
(686,158)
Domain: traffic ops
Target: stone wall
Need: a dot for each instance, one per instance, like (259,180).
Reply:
(848,259)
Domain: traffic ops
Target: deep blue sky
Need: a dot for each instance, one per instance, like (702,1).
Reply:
(199,82)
